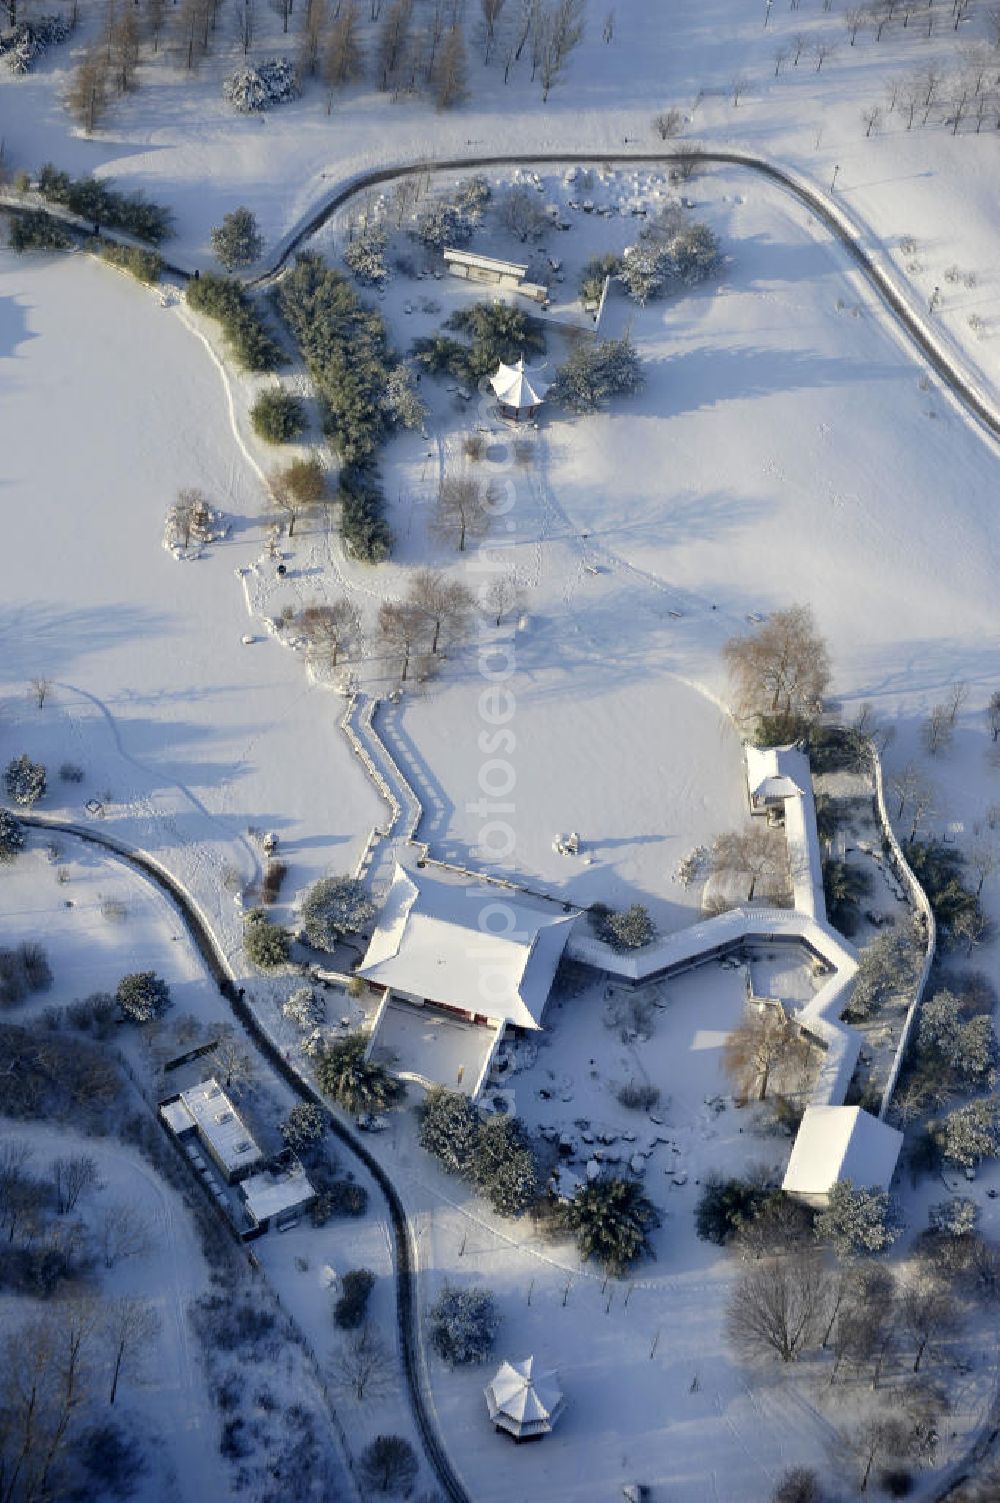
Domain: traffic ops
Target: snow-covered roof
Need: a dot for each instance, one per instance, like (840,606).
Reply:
(485,263)
(522,1400)
(840,1142)
(221,1126)
(276,1190)
(517,387)
(777,772)
(487,951)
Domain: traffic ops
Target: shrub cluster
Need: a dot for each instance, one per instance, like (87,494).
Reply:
(277,416)
(494,332)
(349,1310)
(223,299)
(22,972)
(938,869)
(357,1083)
(144,265)
(345,348)
(266,944)
(36,231)
(94,199)
(365,533)
(493,1152)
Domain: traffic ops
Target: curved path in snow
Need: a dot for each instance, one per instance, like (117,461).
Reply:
(219,969)
(943,358)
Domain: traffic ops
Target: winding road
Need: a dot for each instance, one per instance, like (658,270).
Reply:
(219,969)
(946,362)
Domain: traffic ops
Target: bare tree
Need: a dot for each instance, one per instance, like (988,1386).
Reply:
(821,51)
(87,96)
(871,119)
(298,488)
(449,70)
(954,700)
(43,1383)
(401,627)
(668,123)
(130,1327)
(284,10)
(560,31)
(363,1367)
(913,794)
(760,853)
(462,510)
(854,18)
(765,1040)
(124,50)
(776,1307)
(312,37)
(40,691)
(122,1233)
(344,62)
(393,42)
(937,730)
(327,629)
(443,603)
(880,1436)
(153,13)
(233,1060)
(501,596)
(491,10)
(928,1312)
(737,88)
(71,1178)
(521,212)
(192,26)
(781,667)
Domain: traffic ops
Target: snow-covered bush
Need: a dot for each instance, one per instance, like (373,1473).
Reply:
(24,45)
(349,1310)
(260,86)
(402,404)
(266,944)
(967,1050)
(670,250)
(334,907)
(522,213)
(24,781)
(449,1126)
(462,1325)
(142,996)
(595,372)
(303,1127)
(237,241)
(629,930)
(365,256)
(956,1217)
(36,231)
(277,416)
(11,835)
(304,1008)
(443,223)
(885,966)
(857,1220)
(504,1166)
(190,524)
(611,1219)
(968,1134)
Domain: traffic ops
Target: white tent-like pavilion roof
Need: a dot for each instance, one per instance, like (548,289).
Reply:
(466,946)
(517,387)
(523,1401)
(835,1143)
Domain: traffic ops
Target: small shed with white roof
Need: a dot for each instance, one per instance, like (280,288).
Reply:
(522,1401)
(836,1143)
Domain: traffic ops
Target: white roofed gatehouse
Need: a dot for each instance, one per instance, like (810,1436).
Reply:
(459,963)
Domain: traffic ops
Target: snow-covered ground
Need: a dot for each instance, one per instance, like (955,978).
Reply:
(787,447)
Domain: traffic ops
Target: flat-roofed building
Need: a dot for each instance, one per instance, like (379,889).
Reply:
(220,1128)
(278,1193)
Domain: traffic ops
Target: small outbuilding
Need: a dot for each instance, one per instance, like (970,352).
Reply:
(523,1402)
(836,1143)
(519,391)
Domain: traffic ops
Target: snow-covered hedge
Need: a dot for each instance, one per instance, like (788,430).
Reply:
(24,45)
(262,85)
